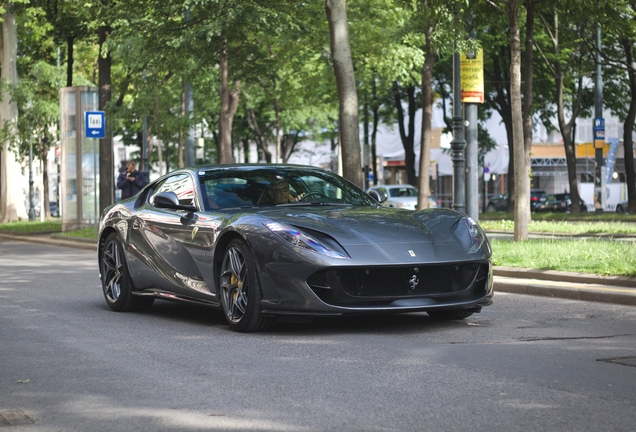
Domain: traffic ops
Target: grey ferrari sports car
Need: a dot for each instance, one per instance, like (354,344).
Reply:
(265,241)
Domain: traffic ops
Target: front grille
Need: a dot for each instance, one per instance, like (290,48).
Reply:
(382,284)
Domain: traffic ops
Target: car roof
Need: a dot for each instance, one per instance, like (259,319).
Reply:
(402,186)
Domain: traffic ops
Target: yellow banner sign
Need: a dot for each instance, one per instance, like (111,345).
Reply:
(471,66)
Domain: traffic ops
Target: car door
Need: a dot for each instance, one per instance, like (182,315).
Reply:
(551,204)
(174,240)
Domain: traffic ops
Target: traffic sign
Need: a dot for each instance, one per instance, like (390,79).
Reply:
(599,132)
(95,124)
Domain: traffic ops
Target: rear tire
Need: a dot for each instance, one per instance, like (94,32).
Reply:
(240,290)
(451,314)
(491,208)
(117,284)
(620,209)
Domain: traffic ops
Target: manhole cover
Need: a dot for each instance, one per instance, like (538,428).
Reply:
(14,418)
(627,361)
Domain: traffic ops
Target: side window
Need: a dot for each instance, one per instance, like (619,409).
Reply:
(230,192)
(180,184)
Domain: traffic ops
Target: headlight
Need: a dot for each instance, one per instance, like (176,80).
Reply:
(474,238)
(477,235)
(298,238)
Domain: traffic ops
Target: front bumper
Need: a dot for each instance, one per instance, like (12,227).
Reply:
(376,289)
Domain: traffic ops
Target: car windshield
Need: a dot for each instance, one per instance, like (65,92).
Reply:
(403,192)
(261,187)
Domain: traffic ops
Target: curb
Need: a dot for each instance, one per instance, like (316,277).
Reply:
(592,292)
(560,276)
(53,240)
(567,235)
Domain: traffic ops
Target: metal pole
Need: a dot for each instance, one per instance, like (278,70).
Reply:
(31,197)
(189,110)
(190,138)
(145,169)
(365,158)
(458,144)
(95,197)
(472,163)
(599,189)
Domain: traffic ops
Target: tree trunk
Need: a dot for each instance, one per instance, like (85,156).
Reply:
(374,135)
(69,61)
(106,170)
(501,104)
(182,132)
(628,128)
(527,91)
(11,199)
(347,93)
(407,138)
(44,161)
(159,141)
(566,127)
(229,105)
(427,123)
(279,155)
(261,142)
(522,189)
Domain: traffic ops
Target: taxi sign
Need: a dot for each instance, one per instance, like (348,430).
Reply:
(95,124)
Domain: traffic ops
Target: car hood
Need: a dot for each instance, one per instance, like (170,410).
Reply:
(372,226)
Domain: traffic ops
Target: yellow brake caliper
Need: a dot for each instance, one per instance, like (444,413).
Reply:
(234,280)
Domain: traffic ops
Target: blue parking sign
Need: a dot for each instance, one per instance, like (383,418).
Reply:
(95,124)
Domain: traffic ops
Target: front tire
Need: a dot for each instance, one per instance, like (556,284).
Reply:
(241,292)
(491,208)
(117,284)
(451,314)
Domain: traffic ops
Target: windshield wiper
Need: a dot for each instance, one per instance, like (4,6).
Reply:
(309,204)
(236,208)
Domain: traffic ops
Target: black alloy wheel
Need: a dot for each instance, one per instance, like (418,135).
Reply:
(241,290)
(116,281)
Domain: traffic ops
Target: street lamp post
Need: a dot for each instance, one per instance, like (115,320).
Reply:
(458,144)
(145,168)
(31,197)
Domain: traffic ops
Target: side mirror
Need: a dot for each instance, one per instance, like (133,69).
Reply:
(170,200)
(377,196)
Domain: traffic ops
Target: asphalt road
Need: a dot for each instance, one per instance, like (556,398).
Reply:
(526,363)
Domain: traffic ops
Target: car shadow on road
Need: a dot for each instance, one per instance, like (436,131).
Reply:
(415,322)
(368,324)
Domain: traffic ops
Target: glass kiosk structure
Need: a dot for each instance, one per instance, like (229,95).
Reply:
(79,198)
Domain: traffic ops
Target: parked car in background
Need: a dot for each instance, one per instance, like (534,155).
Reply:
(621,207)
(500,203)
(559,203)
(401,196)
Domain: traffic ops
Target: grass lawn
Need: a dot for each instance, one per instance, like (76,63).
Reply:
(32,227)
(83,233)
(588,217)
(568,227)
(608,258)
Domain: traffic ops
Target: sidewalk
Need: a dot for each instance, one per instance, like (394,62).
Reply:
(54,239)
(574,286)
(550,283)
